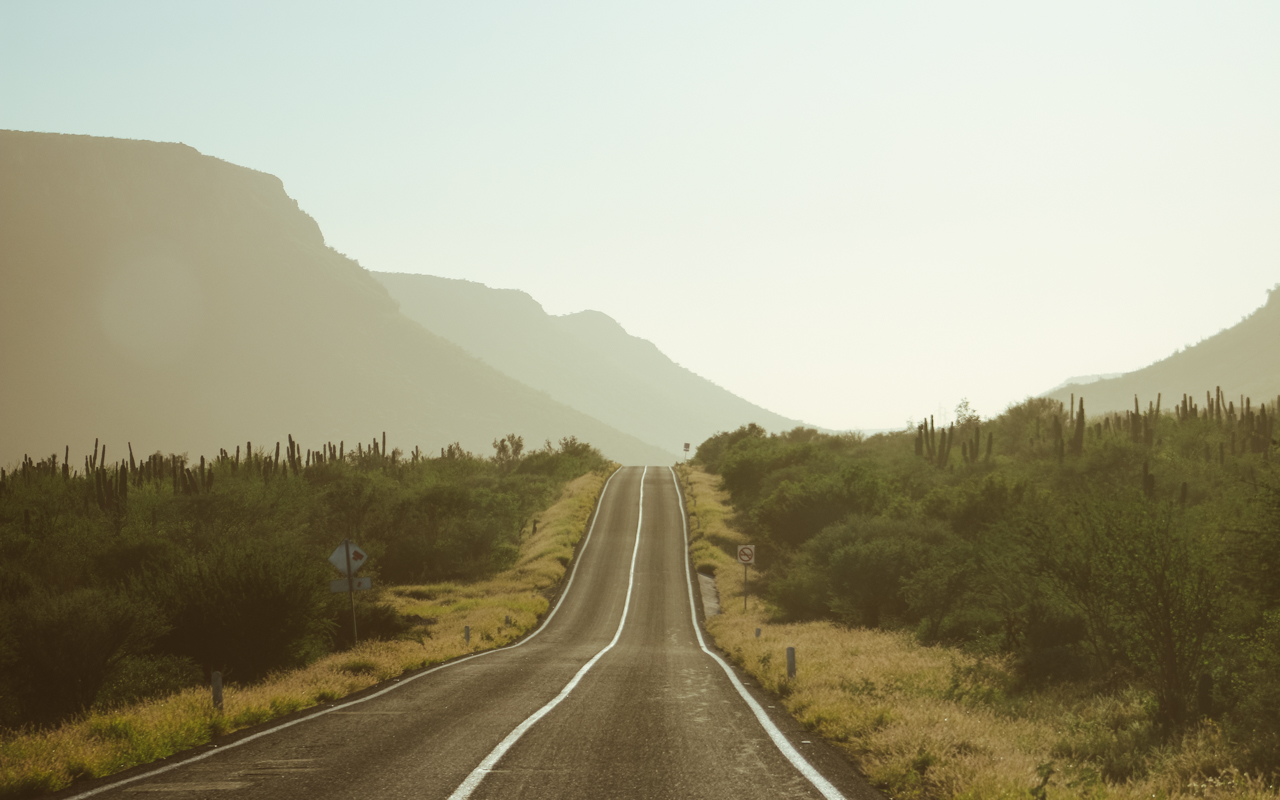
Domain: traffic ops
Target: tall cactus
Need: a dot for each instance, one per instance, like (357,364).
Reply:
(1077,441)
(944,447)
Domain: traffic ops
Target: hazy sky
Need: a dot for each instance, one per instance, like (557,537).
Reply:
(851,213)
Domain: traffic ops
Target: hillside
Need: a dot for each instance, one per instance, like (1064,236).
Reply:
(1244,360)
(585,360)
(158,296)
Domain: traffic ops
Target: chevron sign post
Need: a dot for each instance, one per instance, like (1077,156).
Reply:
(348,558)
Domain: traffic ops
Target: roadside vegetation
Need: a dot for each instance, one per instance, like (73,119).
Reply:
(128,585)
(1042,604)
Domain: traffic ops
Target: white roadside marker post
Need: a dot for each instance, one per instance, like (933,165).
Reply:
(216,680)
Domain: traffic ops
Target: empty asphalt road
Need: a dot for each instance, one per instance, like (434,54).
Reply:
(613,697)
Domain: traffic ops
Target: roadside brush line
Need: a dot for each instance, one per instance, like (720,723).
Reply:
(498,612)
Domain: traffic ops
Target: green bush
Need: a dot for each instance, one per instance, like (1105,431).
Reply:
(450,532)
(1256,686)
(228,571)
(858,571)
(373,621)
(1143,556)
(66,646)
(138,677)
(1148,589)
(245,608)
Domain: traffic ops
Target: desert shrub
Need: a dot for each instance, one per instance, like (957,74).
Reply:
(245,608)
(1256,687)
(1148,589)
(711,451)
(66,646)
(1050,649)
(972,507)
(233,556)
(857,570)
(1133,558)
(797,509)
(449,532)
(934,593)
(138,677)
(373,621)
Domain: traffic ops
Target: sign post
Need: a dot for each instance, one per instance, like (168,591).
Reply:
(747,555)
(686,451)
(348,558)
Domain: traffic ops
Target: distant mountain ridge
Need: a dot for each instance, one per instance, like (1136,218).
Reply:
(1084,380)
(584,360)
(1244,360)
(155,295)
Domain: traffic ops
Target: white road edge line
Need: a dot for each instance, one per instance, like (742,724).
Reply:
(798,761)
(473,780)
(404,682)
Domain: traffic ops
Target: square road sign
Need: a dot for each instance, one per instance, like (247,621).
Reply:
(339,557)
(359,585)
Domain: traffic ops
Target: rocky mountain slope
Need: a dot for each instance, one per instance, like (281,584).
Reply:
(166,298)
(1244,360)
(584,360)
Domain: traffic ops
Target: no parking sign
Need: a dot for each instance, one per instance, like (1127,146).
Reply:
(746,557)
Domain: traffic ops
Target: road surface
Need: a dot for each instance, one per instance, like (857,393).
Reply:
(613,697)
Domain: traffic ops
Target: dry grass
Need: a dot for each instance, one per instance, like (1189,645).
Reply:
(934,722)
(101,744)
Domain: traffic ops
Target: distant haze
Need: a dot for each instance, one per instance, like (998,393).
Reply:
(584,360)
(1243,361)
(171,301)
(849,213)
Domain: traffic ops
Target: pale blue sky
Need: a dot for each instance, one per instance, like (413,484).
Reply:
(852,213)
